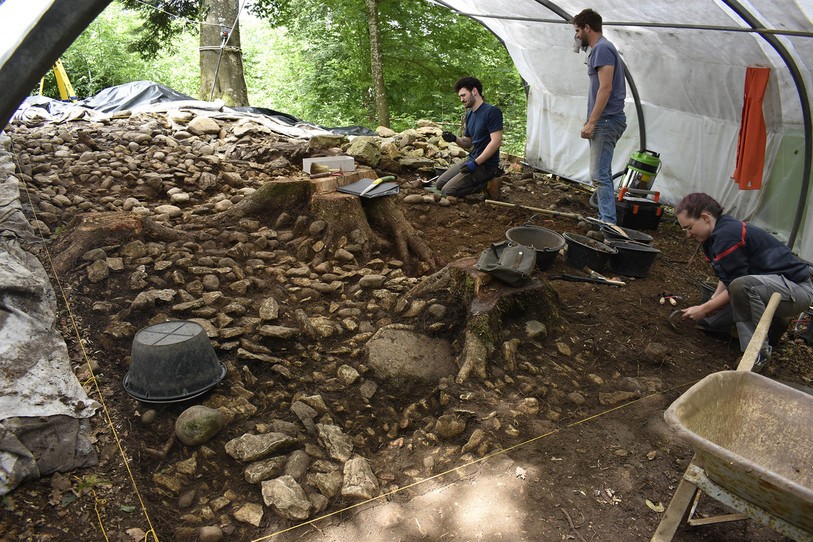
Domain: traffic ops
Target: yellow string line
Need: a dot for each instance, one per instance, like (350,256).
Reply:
(351,507)
(87,360)
(484,458)
(98,514)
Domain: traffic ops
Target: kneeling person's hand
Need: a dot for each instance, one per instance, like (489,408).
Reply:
(448,137)
(471,165)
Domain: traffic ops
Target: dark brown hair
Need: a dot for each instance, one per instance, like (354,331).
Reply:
(588,17)
(468,83)
(698,202)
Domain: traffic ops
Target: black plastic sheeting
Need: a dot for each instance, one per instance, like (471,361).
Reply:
(131,95)
(351,130)
(282,117)
(55,107)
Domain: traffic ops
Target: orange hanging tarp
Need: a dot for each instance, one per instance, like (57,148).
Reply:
(753,136)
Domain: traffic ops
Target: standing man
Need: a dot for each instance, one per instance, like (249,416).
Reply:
(482,134)
(605,107)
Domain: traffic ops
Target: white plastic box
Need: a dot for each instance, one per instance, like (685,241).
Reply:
(343,163)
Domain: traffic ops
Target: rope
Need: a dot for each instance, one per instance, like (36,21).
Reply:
(470,463)
(223,44)
(93,378)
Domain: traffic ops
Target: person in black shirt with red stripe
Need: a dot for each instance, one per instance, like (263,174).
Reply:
(750,263)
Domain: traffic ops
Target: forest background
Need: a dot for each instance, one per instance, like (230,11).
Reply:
(310,59)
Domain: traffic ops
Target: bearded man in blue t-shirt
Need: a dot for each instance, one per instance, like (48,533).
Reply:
(605,107)
(483,135)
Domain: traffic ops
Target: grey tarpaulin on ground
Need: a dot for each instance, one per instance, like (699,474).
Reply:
(44,410)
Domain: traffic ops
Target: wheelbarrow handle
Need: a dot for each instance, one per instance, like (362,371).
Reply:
(749,357)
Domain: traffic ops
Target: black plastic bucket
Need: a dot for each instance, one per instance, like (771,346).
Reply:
(707,288)
(172,362)
(610,234)
(585,252)
(546,243)
(632,259)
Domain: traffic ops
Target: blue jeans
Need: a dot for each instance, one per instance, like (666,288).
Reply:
(607,132)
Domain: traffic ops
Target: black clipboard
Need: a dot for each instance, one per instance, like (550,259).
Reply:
(383,189)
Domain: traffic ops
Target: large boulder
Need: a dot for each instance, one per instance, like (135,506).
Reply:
(405,360)
(365,150)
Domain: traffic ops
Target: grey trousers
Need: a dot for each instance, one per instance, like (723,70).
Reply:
(750,294)
(457,181)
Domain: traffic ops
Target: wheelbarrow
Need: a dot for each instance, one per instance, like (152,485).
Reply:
(752,439)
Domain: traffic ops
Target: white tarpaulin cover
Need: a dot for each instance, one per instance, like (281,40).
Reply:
(43,408)
(690,82)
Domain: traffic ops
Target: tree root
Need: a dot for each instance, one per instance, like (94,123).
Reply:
(486,302)
(385,214)
(89,231)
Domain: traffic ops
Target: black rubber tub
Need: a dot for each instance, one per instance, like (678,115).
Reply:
(546,243)
(707,288)
(172,362)
(610,234)
(632,259)
(585,252)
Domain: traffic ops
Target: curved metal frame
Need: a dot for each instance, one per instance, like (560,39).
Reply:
(639,110)
(61,23)
(783,52)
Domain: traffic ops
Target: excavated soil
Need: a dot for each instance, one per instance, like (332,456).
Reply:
(589,458)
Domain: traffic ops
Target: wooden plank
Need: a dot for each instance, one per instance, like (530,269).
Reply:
(675,512)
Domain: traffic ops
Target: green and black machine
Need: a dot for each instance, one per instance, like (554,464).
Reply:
(637,206)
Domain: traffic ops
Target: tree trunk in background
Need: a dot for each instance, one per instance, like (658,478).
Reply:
(230,85)
(382,111)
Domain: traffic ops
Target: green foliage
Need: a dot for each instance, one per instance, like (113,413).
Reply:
(102,57)
(319,68)
(161,23)
(311,59)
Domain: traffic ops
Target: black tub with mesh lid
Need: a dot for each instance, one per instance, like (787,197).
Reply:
(172,362)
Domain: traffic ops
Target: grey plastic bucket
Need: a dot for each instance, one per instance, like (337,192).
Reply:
(171,362)
(585,252)
(546,243)
(707,289)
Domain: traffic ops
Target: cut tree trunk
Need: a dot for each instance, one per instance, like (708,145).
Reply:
(488,301)
(346,222)
(95,230)
(371,223)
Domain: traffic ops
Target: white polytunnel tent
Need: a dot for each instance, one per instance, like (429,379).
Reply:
(686,65)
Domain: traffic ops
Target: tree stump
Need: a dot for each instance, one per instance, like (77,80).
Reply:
(94,230)
(374,223)
(487,301)
(345,219)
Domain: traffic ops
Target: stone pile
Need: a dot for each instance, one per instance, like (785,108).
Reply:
(328,365)
(277,322)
